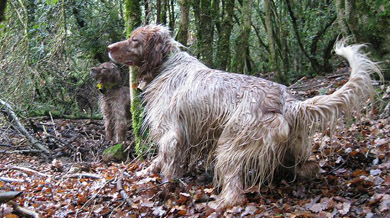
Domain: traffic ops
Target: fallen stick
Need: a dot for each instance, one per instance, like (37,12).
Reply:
(7,196)
(23,210)
(7,145)
(6,179)
(19,151)
(28,170)
(122,192)
(7,109)
(87,175)
(93,197)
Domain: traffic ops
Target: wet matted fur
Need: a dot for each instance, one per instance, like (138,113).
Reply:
(248,128)
(114,101)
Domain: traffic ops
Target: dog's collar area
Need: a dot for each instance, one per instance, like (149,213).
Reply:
(104,87)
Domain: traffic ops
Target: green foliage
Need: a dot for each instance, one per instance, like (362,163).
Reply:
(48,49)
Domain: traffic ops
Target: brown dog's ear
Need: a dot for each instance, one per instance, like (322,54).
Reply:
(115,74)
(157,48)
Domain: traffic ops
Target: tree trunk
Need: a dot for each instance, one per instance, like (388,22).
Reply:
(206,30)
(14,120)
(222,60)
(148,11)
(158,11)
(242,41)
(171,9)
(3,6)
(341,17)
(182,34)
(163,14)
(273,59)
(196,8)
(284,47)
(133,19)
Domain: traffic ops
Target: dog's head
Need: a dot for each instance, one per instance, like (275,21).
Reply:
(106,74)
(147,48)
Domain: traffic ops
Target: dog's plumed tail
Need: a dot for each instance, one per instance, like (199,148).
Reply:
(322,111)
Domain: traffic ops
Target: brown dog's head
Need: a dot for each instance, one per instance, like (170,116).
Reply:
(147,48)
(107,75)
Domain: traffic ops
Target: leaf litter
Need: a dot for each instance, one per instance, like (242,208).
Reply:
(354,180)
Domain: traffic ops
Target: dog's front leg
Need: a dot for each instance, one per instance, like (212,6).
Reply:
(171,155)
(108,119)
(120,125)
(170,158)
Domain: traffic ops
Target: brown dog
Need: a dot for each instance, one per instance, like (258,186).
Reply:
(248,128)
(114,101)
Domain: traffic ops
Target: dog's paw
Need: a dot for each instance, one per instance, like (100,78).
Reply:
(222,202)
(308,170)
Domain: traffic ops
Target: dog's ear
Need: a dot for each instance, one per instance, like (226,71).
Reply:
(116,76)
(157,48)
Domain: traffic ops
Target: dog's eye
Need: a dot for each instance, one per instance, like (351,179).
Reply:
(134,40)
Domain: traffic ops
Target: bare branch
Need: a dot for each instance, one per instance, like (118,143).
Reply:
(7,109)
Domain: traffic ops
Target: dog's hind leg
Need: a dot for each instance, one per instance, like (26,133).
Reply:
(229,171)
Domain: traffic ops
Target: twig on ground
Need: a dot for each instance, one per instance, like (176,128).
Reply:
(7,196)
(57,134)
(6,179)
(337,75)
(297,82)
(19,151)
(28,170)
(23,210)
(93,197)
(306,86)
(87,175)
(7,109)
(123,193)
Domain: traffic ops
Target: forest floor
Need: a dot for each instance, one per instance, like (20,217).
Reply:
(354,180)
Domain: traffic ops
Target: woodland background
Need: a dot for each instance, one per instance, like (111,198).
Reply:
(48,46)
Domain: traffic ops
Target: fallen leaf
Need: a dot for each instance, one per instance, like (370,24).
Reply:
(385,203)
(345,208)
(249,210)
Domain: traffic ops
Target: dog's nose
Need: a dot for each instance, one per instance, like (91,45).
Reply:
(113,47)
(92,72)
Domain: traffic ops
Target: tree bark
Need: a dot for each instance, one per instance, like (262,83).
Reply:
(283,42)
(315,64)
(163,14)
(158,11)
(242,42)
(182,34)
(171,10)
(3,6)
(196,8)
(341,17)
(273,59)
(148,11)
(14,120)
(133,20)
(223,56)
(207,32)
